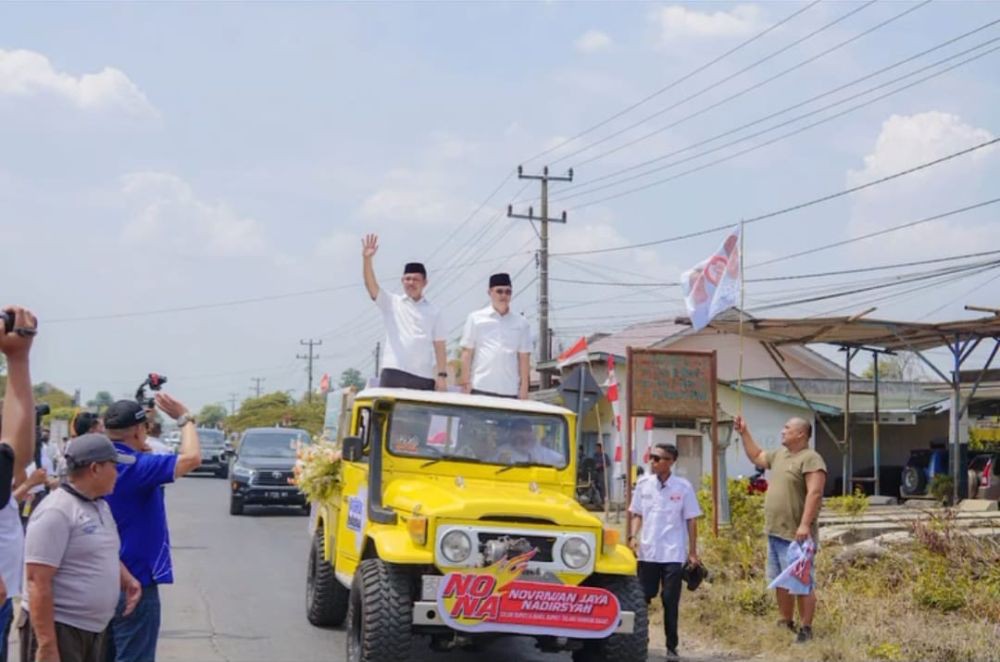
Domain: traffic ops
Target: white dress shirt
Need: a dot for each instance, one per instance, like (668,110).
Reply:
(411,328)
(665,509)
(496,341)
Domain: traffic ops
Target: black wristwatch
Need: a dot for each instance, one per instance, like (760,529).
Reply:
(442,374)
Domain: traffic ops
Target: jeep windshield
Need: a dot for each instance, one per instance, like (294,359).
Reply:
(487,436)
(273,443)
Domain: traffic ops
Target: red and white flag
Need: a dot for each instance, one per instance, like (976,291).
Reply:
(713,285)
(578,353)
(324,383)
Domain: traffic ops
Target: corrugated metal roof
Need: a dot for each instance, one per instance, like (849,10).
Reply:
(783,398)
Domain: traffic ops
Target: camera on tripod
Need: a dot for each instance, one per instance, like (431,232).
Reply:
(155,382)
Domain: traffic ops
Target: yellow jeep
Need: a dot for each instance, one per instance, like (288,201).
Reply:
(455,519)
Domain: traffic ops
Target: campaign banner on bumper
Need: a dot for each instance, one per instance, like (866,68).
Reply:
(493,599)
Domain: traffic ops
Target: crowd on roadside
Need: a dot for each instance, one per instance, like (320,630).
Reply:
(84,541)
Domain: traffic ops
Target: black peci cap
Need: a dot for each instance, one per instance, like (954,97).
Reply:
(415,268)
(500,280)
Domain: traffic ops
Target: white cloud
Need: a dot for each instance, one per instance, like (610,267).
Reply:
(908,140)
(592,41)
(678,22)
(28,74)
(166,209)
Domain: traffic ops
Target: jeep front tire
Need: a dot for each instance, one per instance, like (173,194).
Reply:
(633,647)
(380,614)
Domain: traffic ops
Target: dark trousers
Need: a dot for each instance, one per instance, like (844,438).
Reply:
(75,645)
(392,378)
(665,579)
(133,638)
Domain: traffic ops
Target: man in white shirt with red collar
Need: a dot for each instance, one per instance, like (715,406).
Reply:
(664,534)
(414,354)
(496,346)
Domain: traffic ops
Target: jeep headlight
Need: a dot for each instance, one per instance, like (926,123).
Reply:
(575,553)
(456,546)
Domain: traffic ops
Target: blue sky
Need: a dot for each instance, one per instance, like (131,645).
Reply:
(168,155)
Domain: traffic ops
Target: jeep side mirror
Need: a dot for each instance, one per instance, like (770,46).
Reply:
(353,448)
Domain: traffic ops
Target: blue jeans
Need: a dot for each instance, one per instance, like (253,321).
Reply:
(777,561)
(6,615)
(133,638)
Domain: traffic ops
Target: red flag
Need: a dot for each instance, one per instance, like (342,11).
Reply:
(578,353)
(649,423)
(324,383)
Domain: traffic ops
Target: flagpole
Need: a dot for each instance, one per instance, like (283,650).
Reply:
(739,374)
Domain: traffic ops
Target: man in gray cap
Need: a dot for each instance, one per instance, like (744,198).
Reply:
(72,569)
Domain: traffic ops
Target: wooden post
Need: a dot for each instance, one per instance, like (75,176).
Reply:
(627,451)
(715,450)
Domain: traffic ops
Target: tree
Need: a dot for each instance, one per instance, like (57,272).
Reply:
(266,411)
(352,377)
(102,400)
(211,415)
(904,366)
(46,393)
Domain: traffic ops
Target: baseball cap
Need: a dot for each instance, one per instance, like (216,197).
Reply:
(124,414)
(94,447)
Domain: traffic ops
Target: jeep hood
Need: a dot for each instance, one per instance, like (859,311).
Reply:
(477,499)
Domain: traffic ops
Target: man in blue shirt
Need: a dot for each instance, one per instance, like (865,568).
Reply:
(139,508)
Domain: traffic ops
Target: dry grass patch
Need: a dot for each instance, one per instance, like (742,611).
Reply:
(936,598)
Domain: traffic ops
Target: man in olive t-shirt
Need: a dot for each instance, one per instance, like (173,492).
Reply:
(791,508)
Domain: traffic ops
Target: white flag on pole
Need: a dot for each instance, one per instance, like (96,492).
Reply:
(713,285)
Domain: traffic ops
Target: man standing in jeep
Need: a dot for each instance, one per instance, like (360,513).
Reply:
(414,354)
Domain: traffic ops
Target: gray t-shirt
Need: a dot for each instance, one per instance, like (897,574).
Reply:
(80,539)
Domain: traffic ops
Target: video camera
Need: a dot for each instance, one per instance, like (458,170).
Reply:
(155,382)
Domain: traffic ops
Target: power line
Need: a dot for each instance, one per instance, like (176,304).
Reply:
(786,210)
(587,187)
(878,233)
(784,136)
(820,274)
(731,76)
(675,83)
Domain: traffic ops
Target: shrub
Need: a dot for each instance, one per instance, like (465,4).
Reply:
(853,506)
(942,487)
(889,651)
(753,599)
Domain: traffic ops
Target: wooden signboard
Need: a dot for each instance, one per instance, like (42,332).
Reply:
(672,384)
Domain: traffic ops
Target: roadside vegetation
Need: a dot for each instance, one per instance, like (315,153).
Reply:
(935,597)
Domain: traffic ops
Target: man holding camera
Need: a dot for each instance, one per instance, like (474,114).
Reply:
(17,446)
(139,508)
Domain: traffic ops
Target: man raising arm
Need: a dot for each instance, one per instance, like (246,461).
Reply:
(414,349)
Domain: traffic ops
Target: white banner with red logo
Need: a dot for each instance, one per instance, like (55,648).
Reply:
(494,599)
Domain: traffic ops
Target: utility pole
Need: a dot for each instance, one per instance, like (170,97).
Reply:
(378,357)
(257,381)
(544,338)
(232,402)
(310,357)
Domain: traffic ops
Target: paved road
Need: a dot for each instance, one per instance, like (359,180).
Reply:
(240,586)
